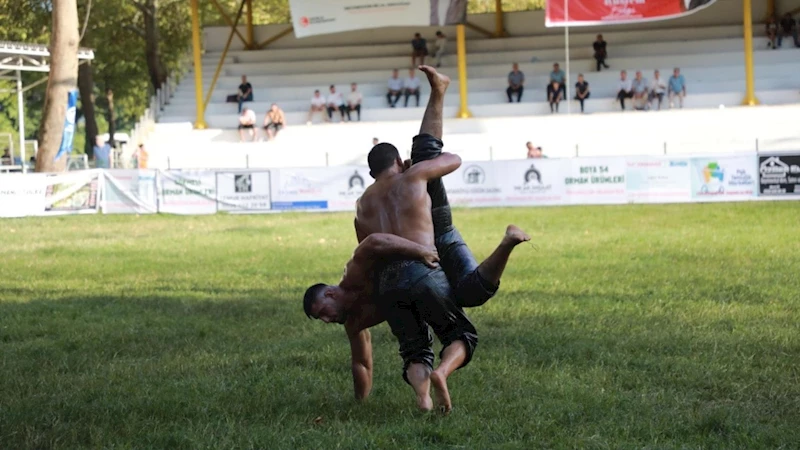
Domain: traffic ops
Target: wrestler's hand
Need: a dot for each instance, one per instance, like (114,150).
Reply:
(406,164)
(430,257)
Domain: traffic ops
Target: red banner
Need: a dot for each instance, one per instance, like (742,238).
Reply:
(606,12)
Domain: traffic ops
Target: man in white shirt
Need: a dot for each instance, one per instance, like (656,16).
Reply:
(354,102)
(335,101)
(411,86)
(440,44)
(657,89)
(247,121)
(640,88)
(625,89)
(395,88)
(317,105)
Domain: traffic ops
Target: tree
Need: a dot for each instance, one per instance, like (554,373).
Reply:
(62,79)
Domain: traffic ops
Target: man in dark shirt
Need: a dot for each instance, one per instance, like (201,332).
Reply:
(419,50)
(516,80)
(788,28)
(245,93)
(581,90)
(600,53)
(554,95)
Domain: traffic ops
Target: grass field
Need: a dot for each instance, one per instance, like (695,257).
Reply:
(655,327)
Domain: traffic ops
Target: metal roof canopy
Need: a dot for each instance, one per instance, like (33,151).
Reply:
(18,57)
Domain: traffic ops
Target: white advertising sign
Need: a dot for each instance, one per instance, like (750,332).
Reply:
(345,187)
(22,195)
(129,192)
(243,191)
(322,188)
(72,192)
(658,180)
(595,180)
(531,182)
(473,184)
(724,178)
(187,192)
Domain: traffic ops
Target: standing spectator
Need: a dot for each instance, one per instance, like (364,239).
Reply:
(102,154)
(274,121)
(245,93)
(440,44)
(395,88)
(625,89)
(317,105)
(788,28)
(375,141)
(334,102)
(772,32)
(140,157)
(554,95)
(559,76)
(516,80)
(411,86)
(582,91)
(247,121)
(640,90)
(534,152)
(658,88)
(5,160)
(600,53)
(354,99)
(419,49)
(677,87)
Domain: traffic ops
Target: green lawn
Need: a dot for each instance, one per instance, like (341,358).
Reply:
(657,327)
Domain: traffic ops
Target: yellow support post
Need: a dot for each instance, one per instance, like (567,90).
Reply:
(222,58)
(750,94)
(251,40)
(499,25)
(463,110)
(200,121)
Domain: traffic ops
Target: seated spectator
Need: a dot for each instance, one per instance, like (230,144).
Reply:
(5,160)
(582,90)
(788,28)
(102,154)
(554,95)
(395,88)
(640,88)
(676,87)
(354,99)
(600,53)
(625,89)
(317,105)
(411,86)
(335,102)
(440,45)
(419,49)
(658,88)
(534,152)
(245,93)
(247,121)
(274,121)
(516,80)
(772,32)
(559,76)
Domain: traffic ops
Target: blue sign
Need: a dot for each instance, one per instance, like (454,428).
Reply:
(69,125)
(287,206)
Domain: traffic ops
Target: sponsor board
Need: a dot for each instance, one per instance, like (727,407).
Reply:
(657,180)
(129,192)
(244,191)
(346,186)
(473,184)
(779,175)
(724,178)
(531,181)
(72,192)
(187,192)
(608,12)
(299,189)
(595,180)
(22,195)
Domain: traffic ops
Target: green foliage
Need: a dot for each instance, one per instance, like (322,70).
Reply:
(629,327)
(489,6)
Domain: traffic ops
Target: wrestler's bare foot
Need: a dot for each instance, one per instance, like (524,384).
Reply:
(419,377)
(438,81)
(440,391)
(515,236)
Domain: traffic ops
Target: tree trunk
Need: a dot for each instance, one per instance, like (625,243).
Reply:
(62,79)
(86,86)
(158,75)
(111,116)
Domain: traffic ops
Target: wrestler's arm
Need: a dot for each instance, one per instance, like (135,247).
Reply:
(360,235)
(438,167)
(382,245)
(361,359)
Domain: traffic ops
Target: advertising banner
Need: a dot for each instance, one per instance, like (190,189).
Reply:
(474,184)
(724,178)
(608,12)
(129,192)
(22,195)
(69,125)
(243,191)
(779,175)
(72,192)
(532,182)
(322,188)
(313,17)
(187,192)
(595,180)
(345,186)
(657,180)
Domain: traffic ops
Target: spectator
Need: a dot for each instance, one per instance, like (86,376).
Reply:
(274,121)
(772,32)
(375,141)
(658,88)
(395,88)
(419,49)
(677,87)
(554,95)
(411,86)
(516,80)
(582,90)
(534,152)
(354,99)
(245,93)
(317,105)
(788,28)
(140,156)
(102,154)
(600,53)
(5,160)
(440,45)
(640,90)
(625,89)
(559,76)
(247,121)
(335,102)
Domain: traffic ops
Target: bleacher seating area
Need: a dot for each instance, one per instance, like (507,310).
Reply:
(708,49)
